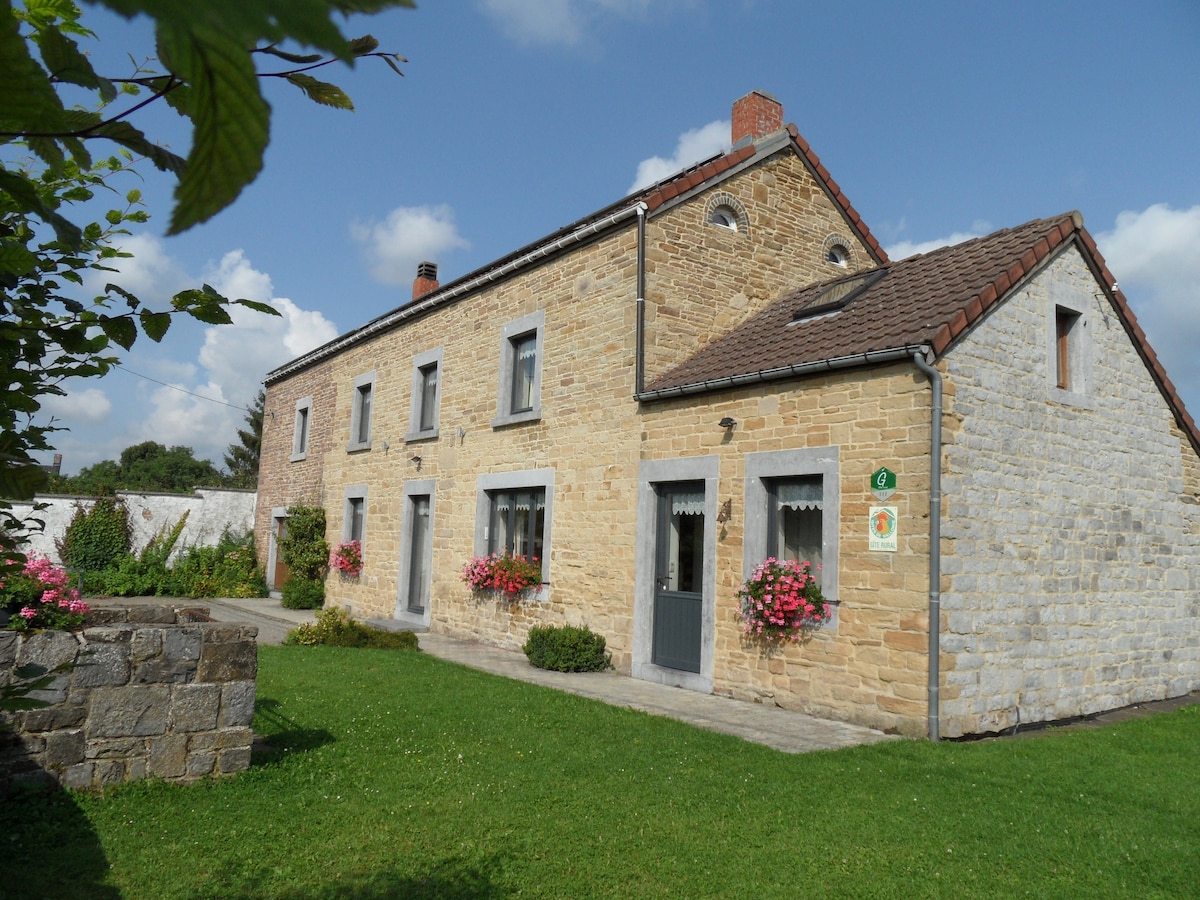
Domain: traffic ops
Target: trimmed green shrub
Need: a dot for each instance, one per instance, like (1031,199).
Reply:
(96,537)
(335,628)
(566,648)
(302,593)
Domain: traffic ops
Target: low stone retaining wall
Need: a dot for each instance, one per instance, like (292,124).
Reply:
(152,692)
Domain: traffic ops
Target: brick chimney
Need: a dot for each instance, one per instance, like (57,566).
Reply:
(755,115)
(426,279)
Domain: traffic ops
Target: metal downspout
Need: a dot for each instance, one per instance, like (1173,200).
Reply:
(639,363)
(935,543)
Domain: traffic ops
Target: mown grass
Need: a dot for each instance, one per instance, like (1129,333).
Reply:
(399,775)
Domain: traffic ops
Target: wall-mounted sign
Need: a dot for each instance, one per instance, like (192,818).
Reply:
(883,483)
(881,528)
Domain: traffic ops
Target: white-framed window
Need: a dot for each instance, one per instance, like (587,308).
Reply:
(513,514)
(360,412)
(354,514)
(519,397)
(792,501)
(1068,352)
(424,411)
(301,429)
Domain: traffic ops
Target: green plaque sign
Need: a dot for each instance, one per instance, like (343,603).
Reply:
(883,482)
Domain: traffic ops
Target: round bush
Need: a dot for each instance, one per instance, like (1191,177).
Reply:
(303,593)
(566,648)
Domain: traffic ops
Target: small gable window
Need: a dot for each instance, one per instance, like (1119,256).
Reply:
(725,211)
(1068,353)
(724,217)
(835,251)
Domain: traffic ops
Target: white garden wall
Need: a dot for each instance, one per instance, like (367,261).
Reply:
(210,511)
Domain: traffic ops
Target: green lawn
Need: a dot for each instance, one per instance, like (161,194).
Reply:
(394,774)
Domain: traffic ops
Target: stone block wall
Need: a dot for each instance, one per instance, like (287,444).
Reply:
(701,278)
(1071,543)
(150,693)
(869,664)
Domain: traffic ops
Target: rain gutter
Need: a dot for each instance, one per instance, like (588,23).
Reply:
(802,370)
(453,291)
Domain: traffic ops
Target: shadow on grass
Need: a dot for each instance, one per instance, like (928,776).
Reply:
(283,736)
(452,879)
(50,849)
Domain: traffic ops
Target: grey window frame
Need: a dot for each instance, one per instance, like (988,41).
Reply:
(364,385)
(353,493)
(422,363)
(510,336)
(301,429)
(1078,348)
(776,465)
(489,484)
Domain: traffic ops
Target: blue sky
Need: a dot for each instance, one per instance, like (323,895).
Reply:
(940,120)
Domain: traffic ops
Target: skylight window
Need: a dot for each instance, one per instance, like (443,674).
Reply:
(837,296)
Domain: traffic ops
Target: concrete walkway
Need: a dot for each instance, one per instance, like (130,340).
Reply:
(790,732)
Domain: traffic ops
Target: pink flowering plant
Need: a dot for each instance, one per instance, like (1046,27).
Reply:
(37,596)
(780,600)
(347,558)
(502,572)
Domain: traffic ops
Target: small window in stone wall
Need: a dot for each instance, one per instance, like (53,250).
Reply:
(1068,353)
(835,251)
(724,210)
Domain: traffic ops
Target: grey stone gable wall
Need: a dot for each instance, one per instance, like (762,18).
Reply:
(1071,562)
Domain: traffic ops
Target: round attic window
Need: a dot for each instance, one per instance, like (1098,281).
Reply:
(838,255)
(725,217)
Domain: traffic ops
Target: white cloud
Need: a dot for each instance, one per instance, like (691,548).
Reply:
(905,249)
(563,22)
(1155,257)
(151,275)
(693,146)
(89,406)
(228,366)
(409,235)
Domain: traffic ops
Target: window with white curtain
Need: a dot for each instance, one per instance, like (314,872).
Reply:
(795,510)
(792,511)
(519,391)
(517,522)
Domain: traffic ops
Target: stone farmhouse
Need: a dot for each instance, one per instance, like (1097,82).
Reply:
(726,366)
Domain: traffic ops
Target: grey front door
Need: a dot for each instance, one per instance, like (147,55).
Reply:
(418,560)
(679,576)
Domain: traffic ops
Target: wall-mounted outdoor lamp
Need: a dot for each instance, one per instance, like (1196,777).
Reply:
(727,422)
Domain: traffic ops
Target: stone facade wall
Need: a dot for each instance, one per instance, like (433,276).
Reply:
(282,481)
(589,431)
(209,510)
(150,695)
(702,280)
(1071,559)
(869,664)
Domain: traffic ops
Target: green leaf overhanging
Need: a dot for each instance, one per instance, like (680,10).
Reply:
(230,117)
(321,91)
